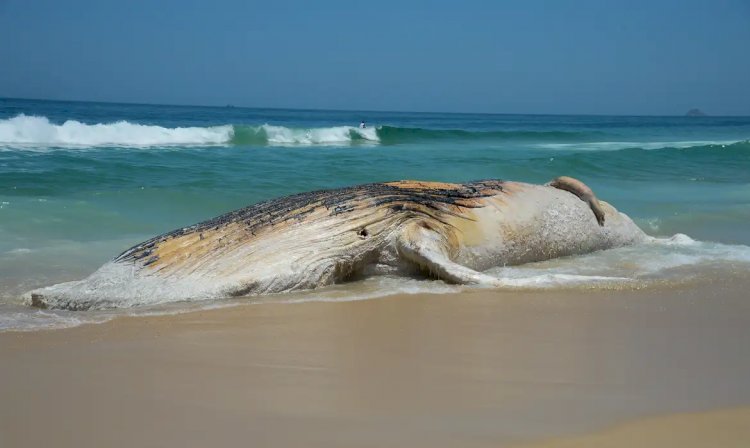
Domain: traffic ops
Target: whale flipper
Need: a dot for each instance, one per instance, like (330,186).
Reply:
(581,190)
(428,249)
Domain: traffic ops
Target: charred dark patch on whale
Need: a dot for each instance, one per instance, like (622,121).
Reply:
(430,198)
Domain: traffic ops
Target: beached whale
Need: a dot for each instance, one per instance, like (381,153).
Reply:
(447,231)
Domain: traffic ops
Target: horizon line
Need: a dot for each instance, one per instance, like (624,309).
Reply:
(233,106)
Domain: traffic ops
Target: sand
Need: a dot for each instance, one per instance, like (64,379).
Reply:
(724,428)
(649,367)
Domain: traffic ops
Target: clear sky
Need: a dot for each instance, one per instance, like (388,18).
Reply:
(524,56)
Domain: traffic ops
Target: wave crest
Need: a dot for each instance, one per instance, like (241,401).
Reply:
(26,131)
(279,135)
(37,131)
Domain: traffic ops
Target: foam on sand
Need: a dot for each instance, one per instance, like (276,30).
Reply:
(675,258)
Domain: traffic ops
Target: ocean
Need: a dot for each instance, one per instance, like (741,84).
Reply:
(80,182)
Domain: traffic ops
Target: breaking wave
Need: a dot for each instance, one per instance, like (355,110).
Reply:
(33,131)
(281,136)
(37,132)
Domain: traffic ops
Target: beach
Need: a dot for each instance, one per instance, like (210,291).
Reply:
(561,367)
(374,225)
(645,344)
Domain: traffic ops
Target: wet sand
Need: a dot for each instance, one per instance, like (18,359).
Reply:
(483,368)
(723,428)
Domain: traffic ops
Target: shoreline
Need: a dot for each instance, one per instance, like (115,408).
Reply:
(475,368)
(680,278)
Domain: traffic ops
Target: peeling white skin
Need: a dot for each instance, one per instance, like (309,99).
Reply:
(540,223)
(509,223)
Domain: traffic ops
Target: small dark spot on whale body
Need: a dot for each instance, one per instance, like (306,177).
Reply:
(363,233)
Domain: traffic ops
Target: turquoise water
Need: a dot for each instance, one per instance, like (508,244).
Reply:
(80,182)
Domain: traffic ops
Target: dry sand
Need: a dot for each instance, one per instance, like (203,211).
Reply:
(484,368)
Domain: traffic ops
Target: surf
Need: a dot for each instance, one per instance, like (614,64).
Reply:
(284,136)
(38,131)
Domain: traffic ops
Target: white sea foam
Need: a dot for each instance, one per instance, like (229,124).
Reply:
(33,131)
(371,288)
(553,280)
(30,319)
(18,251)
(15,317)
(616,146)
(657,258)
(337,135)
(26,131)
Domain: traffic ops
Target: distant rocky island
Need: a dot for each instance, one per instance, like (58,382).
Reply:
(695,113)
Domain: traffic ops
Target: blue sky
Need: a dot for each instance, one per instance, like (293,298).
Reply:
(589,57)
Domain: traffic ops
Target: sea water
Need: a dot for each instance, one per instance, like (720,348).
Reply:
(81,182)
